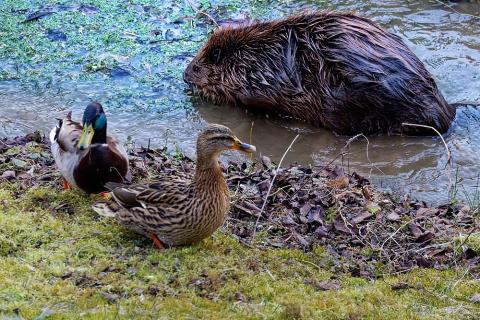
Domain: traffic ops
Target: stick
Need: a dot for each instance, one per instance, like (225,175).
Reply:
(456,11)
(368,143)
(449,160)
(271,184)
(202,12)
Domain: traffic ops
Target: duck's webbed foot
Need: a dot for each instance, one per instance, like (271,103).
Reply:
(157,243)
(66,186)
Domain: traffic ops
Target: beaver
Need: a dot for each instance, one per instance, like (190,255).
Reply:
(331,69)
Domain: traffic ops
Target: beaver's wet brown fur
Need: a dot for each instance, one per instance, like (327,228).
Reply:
(332,69)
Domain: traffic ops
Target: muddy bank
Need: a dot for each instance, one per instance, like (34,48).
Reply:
(360,230)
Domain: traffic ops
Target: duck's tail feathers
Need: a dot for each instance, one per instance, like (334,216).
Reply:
(55,130)
(104,209)
(113,185)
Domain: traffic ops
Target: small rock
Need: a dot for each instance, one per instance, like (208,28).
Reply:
(112,298)
(267,163)
(362,216)
(393,216)
(56,35)
(287,220)
(240,296)
(132,270)
(327,285)
(119,72)
(9,175)
(88,9)
(387,191)
(46,313)
(400,285)
(19,163)
(302,240)
(475,298)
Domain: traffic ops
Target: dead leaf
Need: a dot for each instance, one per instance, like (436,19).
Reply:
(415,230)
(267,163)
(305,209)
(315,215)
(327,285)
(362,216)
(400,285)
(426,237)
(393,216)
(338,183)
(426,212)
(339,225)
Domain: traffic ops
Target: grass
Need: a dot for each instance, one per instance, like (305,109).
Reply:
(60,259)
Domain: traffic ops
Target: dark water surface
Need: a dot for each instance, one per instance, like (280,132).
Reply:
(446,37)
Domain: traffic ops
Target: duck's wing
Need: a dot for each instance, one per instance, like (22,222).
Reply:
(66,134)
(167,194)
(118,152)
(64,138)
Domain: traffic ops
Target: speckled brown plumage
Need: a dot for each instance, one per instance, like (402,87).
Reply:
(178,210)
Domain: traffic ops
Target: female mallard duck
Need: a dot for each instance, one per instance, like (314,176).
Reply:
(85,155)
(181,210)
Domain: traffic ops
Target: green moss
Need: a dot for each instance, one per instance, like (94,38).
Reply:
(73,263)
(471,241)
(330,214)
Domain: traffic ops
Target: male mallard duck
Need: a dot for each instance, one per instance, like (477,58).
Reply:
(181,210)
(85,155)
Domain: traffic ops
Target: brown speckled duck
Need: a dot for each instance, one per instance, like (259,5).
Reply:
(85,155)
(177,211)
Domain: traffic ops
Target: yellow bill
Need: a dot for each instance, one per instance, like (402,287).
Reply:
(86,137)
(245,147)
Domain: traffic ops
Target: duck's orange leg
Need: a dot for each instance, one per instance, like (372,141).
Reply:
(105,195)
(156,242)
(66,186)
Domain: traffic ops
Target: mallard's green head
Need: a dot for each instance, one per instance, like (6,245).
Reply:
(94,126)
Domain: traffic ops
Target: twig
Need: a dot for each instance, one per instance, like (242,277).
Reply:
(271,185)
(202,12)
(250,138)
(368,143)
(309,263)
(449,160)
(454,10)
(449,154)
(349,141)
(270,274)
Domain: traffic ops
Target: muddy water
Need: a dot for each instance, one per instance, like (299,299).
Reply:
(445,36)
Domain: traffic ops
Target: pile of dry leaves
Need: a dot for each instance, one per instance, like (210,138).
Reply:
(364,231)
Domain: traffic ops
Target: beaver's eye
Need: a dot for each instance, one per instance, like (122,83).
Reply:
(216,55)
(196,68)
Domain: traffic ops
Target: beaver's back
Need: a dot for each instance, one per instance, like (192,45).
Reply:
(335,70)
